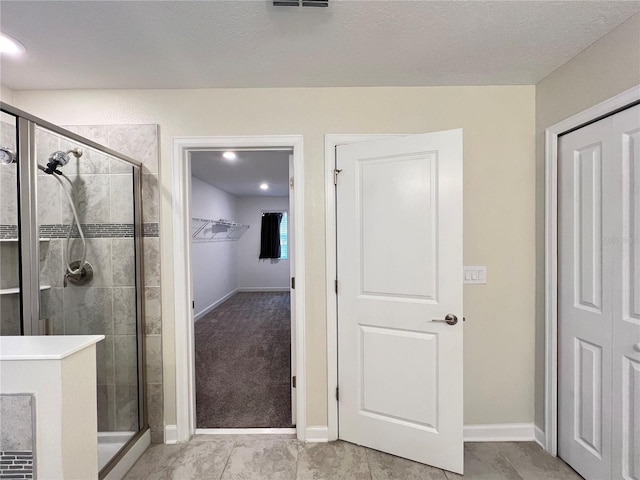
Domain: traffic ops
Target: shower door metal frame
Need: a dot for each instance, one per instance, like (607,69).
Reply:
(29,236)
(28,229)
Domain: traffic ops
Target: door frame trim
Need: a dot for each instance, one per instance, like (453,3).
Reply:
(331,141)
(551,252)
(182,281)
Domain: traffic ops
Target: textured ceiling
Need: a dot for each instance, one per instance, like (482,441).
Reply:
(247,43)
(242,177)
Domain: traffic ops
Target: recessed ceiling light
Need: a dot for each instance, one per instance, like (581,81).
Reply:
(230,155)
(10,46)
(264,186)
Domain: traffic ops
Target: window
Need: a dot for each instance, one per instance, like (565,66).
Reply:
(284,234)
(274,236)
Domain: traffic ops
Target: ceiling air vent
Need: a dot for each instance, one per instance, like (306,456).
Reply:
(300,3)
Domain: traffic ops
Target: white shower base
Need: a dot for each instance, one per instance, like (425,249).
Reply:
(109,443)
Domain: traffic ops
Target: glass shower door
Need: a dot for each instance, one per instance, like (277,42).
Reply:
(71,259)
(87,277)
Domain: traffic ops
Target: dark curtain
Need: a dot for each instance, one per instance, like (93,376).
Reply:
(270,235)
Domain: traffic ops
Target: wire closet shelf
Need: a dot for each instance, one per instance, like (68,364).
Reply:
(206,230)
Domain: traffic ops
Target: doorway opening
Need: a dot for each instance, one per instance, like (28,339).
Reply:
(183,285)
(241,268)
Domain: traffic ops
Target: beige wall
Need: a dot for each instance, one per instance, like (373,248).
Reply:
(6,94)
(499,227)
(609,66)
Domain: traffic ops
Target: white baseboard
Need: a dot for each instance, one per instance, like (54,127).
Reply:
(124,465)
(539,437)
(170,434)
(263,289)
(317,434)
(499,432)
(201,314)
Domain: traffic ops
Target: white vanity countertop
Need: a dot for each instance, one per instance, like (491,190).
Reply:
(47,347)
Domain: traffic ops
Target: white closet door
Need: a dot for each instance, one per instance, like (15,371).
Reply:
(626,307)
(584,326)
(599,298)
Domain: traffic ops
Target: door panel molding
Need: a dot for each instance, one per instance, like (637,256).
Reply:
(630,436)
(551,250)
(587,187)
(631,250)
(588,392)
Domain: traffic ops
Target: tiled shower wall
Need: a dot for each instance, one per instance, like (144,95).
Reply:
(104,203)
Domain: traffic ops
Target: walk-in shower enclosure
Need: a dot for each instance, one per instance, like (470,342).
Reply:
(40,238)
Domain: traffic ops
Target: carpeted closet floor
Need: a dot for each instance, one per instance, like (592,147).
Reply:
(243,370)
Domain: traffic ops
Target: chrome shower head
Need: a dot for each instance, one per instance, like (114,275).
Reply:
(60,159)
(7,156)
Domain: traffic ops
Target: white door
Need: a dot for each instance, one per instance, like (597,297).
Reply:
(399,247)
(599,298)
(626,309)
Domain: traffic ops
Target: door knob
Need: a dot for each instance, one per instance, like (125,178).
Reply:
(636,347)
(450,318)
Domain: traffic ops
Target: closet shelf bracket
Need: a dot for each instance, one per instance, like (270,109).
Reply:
(206,230)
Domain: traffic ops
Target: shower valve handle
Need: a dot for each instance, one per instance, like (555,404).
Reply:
(79,274)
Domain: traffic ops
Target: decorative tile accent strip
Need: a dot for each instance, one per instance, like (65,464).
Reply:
(91,230)
(16,464)
(7,232)
(150,229)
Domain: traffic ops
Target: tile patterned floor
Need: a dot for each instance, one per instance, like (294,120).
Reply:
(282,457)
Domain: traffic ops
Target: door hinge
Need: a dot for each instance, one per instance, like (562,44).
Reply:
(293,282)
(193,304)
(336,286)
(338,394)
(291,182)
(293,381)
(336,172)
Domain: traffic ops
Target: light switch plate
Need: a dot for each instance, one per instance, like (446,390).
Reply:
(475,274)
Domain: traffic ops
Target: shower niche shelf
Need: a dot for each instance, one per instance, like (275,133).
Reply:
(14,290)
(205,230)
